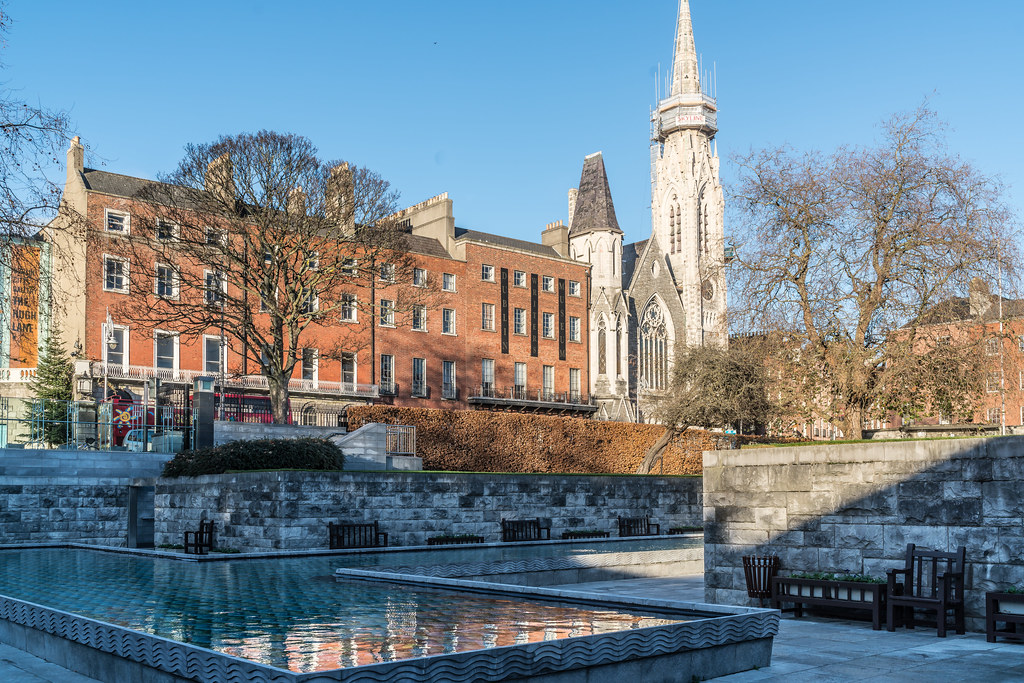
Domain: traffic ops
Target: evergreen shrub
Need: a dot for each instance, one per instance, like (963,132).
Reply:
(262,454)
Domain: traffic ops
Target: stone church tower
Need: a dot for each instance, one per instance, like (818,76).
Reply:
(687,206)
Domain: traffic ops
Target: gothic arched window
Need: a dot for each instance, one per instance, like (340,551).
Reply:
(602,343)
(672,229)
(618,349)
(653,348)
(679,230)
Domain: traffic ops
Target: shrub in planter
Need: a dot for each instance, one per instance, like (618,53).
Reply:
(262,454)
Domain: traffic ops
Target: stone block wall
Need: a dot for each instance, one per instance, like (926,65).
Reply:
(854,508)
(62,509)
(225,431)
(289,510)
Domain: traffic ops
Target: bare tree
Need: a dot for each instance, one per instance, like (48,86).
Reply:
(33,139)
(712,387)
(255,235)
(847,253)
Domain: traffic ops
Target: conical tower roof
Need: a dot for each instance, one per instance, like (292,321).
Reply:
(594,208)
(685,69)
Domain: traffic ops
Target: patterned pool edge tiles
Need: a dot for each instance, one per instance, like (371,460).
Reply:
(731,625)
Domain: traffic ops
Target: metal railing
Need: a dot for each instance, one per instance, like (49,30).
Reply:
(521,393)
(117,371)
(401,440)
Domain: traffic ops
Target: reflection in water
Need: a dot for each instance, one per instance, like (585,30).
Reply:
(289,613)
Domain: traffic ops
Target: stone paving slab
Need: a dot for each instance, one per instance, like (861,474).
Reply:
(18,666)
(826,650)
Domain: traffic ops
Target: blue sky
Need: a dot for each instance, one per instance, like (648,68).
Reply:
(498,103)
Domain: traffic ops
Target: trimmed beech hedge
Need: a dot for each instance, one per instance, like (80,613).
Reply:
(262,454)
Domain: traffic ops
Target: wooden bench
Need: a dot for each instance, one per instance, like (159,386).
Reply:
(454,540)
(638,526)
(200,541)
(994,615)
(368,535)
(933,581)
(524,530)
(831,593)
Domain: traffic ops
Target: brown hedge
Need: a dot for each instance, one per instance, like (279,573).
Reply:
(479,441)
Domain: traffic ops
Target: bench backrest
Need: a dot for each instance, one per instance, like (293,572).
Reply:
(924,567)
(354,535)
(634,526)
(205,537)
(520,529)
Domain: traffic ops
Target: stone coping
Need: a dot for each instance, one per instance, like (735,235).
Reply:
(714,626)
(282,554)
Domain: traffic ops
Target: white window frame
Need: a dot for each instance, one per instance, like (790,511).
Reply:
(575,333)
(487,370)
(223,353)
(350,302)
(992,416)
(519,316)
(387,387)
(345,357)
(547,383)
(486,272)
(448,316)
(487,317)
(520,386)
(422,310)
(125,272)
(547,325)
(386,318)
(574,288)
(449,389)
(219,236)
(349,267)
(992,346)
(419,277)
(174,232)
(175,282)
(313,260)
(307,307)
(547,283)
(175,359)
(107,213)
(448,282)
(387,272)
(315,354)
(519,278)
(575,388)
(992,382)
(207,291)
(419,390)
(125,340)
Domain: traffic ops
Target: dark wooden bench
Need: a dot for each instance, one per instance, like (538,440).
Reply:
(830,593)
(580,535)
(994,615)
(638,526)
(454,540)
(932,580)
(200,541)
(524,530)
(367,535)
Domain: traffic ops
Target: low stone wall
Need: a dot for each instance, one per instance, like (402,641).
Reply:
(854,508)
(80,509)
(289,510)
(226,431)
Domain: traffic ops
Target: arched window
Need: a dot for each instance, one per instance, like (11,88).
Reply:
(602,343)
(653,348)
(672,229)
(618,349)
(679,231)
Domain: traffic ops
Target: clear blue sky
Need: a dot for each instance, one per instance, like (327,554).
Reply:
(497,103)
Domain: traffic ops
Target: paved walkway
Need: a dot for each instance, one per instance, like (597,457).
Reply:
(825,650)
(18,666)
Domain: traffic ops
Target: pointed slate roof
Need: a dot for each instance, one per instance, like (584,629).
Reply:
(594,208)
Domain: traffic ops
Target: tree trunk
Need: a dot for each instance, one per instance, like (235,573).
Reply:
(655,451)
(855,427)
(278,400)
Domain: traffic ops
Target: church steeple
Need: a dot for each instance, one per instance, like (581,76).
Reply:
(685,70)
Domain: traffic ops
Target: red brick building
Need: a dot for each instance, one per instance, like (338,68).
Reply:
(506,329)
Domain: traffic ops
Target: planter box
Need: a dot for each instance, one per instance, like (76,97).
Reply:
(455,541)
(1007,608)
(828,593)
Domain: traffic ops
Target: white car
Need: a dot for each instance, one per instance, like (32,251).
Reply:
(135,441)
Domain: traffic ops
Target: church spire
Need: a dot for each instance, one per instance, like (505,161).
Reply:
(685,72)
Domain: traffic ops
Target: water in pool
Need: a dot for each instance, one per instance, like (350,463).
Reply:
(290,613)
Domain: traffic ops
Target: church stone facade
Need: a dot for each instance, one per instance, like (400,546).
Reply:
(649,297)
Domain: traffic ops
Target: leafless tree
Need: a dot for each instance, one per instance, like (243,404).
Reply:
(255,235)
(33,139)
(712,387)
(846,254)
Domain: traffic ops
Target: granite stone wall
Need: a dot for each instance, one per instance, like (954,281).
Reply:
(48,509)
(257,511)
(854,508)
